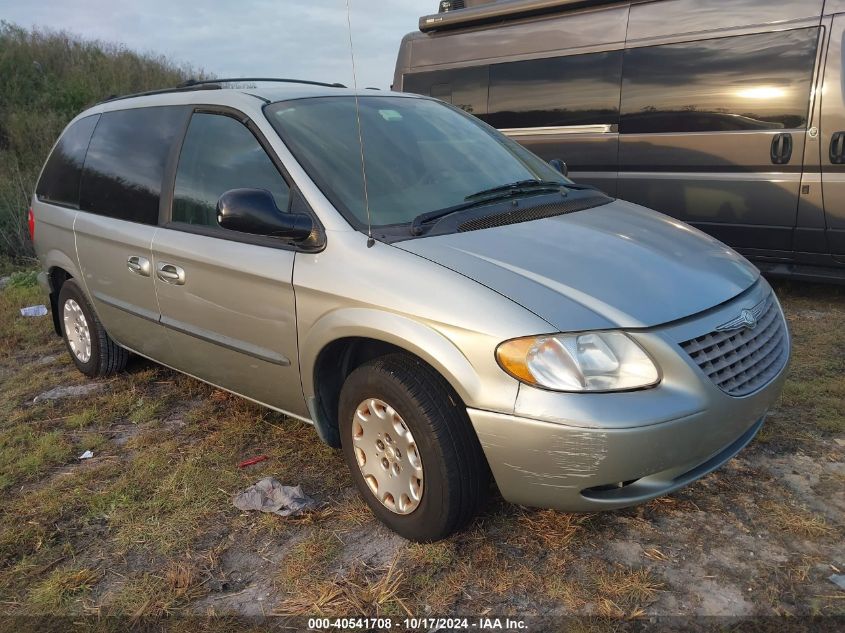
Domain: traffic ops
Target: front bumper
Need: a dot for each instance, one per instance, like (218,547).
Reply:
(585,452)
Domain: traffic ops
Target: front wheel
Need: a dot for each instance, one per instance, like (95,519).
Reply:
(411,448)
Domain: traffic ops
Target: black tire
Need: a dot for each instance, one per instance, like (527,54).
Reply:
(456,479)
(107,357)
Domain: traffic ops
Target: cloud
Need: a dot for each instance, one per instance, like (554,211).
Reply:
(273,38)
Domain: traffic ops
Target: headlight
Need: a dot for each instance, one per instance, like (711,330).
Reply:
(593,361)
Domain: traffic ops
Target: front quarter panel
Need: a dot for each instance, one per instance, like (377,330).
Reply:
(384,293)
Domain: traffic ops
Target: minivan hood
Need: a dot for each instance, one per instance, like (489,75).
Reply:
(615,266)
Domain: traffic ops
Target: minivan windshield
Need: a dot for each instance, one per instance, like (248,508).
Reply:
(420,155)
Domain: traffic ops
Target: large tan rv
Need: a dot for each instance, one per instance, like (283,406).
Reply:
(727,115)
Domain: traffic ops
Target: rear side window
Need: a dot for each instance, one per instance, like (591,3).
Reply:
(465,88)
(220,153)
(559,91)
(59,183)
(126,161)
(748,82)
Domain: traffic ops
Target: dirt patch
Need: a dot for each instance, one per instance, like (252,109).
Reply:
(244,580)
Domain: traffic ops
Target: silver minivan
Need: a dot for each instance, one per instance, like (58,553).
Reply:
(436,300)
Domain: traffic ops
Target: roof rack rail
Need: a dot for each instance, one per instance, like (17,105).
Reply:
(161,91)
(504,10)
(214,84)
(193,82)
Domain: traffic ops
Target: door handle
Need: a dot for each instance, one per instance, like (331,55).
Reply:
(139,265)
(170,273)
(837,148)
(782,148)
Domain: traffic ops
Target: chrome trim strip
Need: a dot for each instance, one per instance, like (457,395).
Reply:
(558,130)
(592,175)
(740,176)
(236,345)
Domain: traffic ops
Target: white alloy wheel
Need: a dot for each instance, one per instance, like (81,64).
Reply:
(76,330)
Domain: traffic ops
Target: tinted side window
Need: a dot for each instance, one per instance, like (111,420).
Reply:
(220,153)
(462,87)
(559,91)
(59,181)
(748,82)
(126,160)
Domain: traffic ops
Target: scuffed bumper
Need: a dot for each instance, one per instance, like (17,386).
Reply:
(548,465)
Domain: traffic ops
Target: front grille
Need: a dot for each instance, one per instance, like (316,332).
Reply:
(535,213)
(742,360)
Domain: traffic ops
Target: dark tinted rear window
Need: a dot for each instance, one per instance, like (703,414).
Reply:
(126,161)
(462,87)
(59,181)
(748,82)
(559,91)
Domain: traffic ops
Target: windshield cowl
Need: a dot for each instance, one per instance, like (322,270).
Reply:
(477,200)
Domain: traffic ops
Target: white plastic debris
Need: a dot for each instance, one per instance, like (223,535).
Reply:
(269,495)
(86,455)
(34,311)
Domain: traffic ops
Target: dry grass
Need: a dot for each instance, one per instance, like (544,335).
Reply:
(308,559)
(361,590)
(61,586)
(625,592)
(783,517)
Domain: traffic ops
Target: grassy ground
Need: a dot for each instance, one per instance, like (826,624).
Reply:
(146,527)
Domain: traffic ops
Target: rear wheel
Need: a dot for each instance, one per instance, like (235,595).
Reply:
(410,448)
(92,350)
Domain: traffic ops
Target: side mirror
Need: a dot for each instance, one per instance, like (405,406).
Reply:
(254,211)
(559,165)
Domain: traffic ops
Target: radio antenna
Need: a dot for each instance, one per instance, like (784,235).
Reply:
(370,240)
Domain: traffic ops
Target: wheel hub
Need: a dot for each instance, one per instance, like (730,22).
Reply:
(387,455)
(76,330)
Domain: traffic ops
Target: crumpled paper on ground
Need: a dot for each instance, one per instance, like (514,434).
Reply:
(269,495)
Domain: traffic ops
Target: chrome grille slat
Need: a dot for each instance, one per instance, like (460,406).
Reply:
(742,361)
(762,374)
(740,353)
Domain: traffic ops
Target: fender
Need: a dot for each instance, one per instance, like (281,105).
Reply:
(416,337)
(58,259)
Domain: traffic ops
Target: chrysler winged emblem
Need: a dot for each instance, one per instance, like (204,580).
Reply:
(747,319)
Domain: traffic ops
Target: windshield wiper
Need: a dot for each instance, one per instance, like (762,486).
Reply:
(430,216)
(482,197)
(518,186)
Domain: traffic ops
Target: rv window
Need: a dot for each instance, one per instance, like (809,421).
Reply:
(462,87)
(559,91)
(749,82)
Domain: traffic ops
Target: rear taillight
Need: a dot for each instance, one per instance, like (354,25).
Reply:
(30,219)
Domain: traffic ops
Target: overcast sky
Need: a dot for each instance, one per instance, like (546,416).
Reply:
(306,39)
